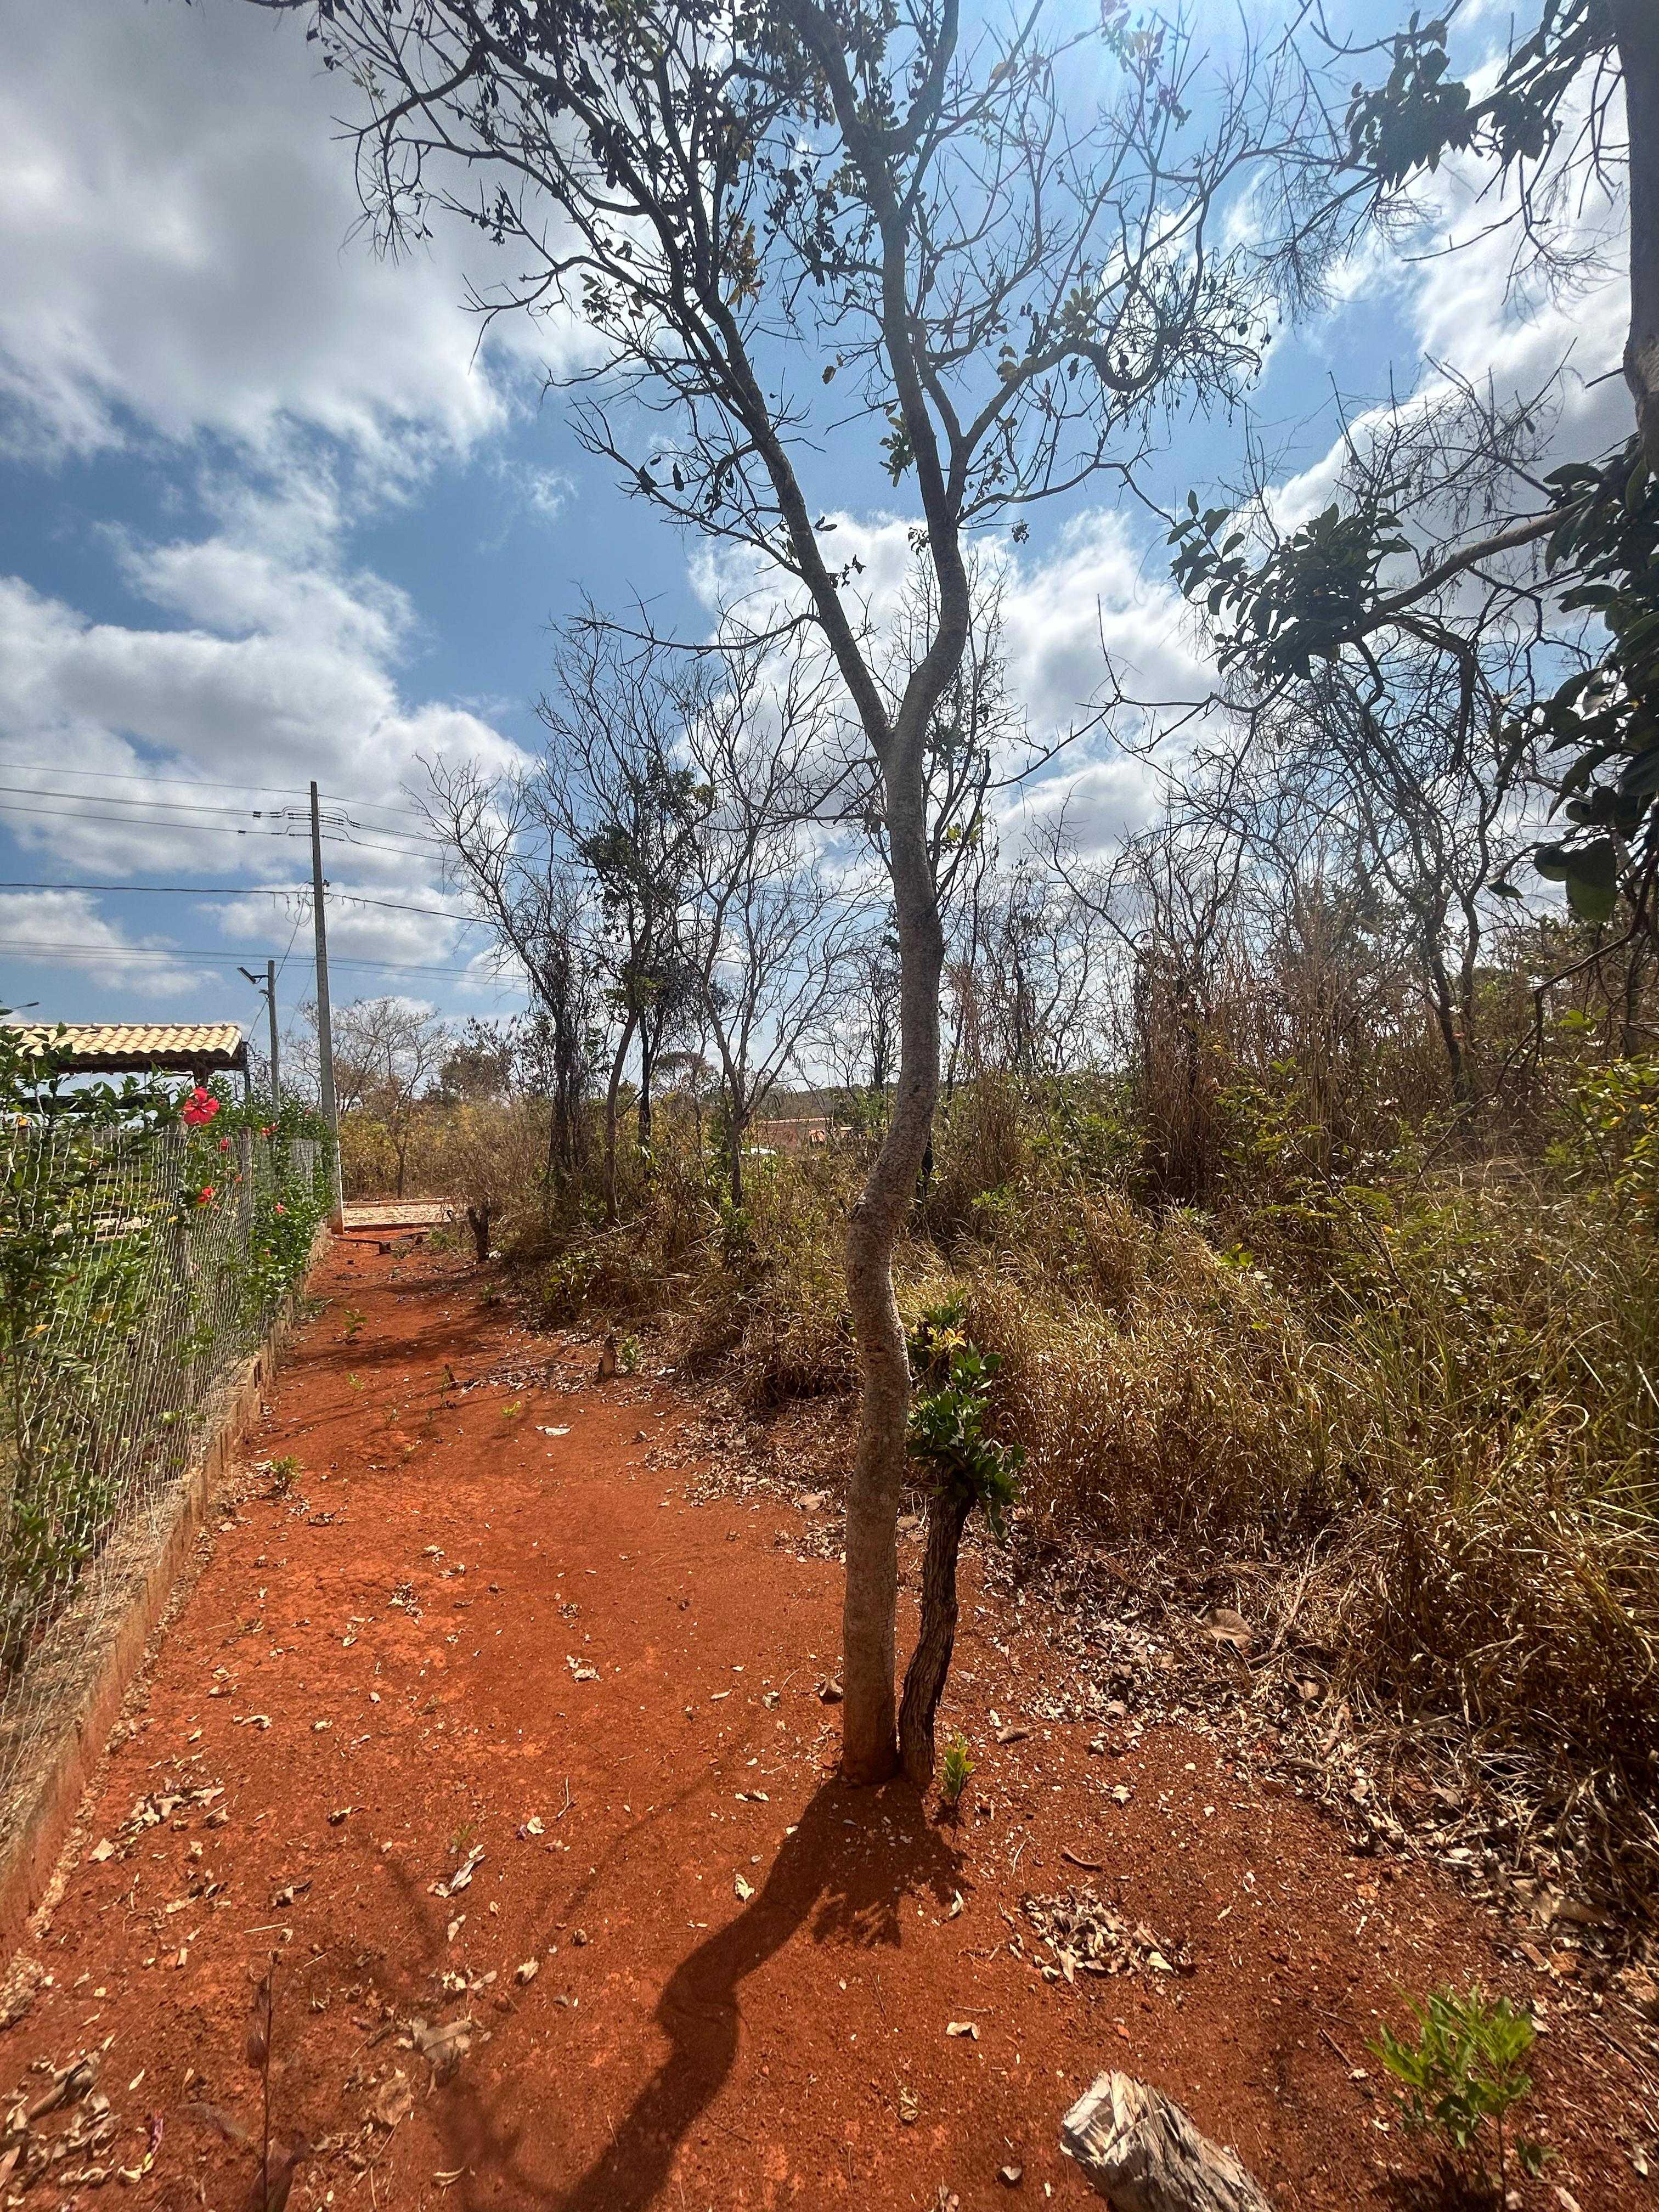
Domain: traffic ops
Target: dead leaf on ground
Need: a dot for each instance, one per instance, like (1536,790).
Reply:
(396,2101)
(268,2192)
(1088,1936)
(463,1874)
(962,2028)
(1229,1628)
(444,2046)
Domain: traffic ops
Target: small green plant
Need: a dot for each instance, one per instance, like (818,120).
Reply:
(947,1422)
(955,1769)
(1464,2074)
(628,1355)
(350,1321)
(283,1473)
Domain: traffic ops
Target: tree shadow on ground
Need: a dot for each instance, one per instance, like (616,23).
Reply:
(1443,2186)
(837,1883)
(843,1876)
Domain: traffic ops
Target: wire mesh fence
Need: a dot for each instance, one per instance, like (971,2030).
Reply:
(139,1266)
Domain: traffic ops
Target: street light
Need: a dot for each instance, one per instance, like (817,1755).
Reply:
(267,989)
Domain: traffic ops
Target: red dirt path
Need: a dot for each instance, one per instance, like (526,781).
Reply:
(677,2047)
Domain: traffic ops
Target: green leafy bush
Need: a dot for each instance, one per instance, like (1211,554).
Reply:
(144,1243)
(1462,2074)
(947,1422)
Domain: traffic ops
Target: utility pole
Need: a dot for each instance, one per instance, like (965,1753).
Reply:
(325,1027)
(275,1062)
(268,992)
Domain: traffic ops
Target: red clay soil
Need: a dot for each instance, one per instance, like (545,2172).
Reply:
(486,1619)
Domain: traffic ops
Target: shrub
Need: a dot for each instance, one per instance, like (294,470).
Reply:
(1462,2076)
(1416,1391)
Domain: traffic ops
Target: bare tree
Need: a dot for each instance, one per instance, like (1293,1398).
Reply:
(612,806)
(1404,737)
(1353,584)
(765,929)
(388,1054)
(1005,294)
(1031,967)
(501,854)
(621,798)
(858,1043)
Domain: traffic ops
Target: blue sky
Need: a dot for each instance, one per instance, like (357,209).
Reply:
(270,511)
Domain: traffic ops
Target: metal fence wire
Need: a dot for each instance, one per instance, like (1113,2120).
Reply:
(138,1269)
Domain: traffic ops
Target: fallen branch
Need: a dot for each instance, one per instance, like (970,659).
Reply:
(1143,2153)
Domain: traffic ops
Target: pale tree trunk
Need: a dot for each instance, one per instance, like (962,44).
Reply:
(1636,27)
(647,1062)
(869,1745)
(611,1090)
(740,1125)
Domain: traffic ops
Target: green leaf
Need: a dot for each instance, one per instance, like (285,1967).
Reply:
(1591,902)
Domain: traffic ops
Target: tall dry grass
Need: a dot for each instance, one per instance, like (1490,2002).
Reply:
(1426,1399)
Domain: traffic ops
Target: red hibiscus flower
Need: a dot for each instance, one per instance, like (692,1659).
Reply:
(205,1195)
(199,1108)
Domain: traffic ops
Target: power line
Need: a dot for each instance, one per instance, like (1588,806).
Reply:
(21,944)
(173,813)
(198,783)
(292,934)
(136,822)
(193,890)
(258,890)
(408,850)
(171,806)
(175,782)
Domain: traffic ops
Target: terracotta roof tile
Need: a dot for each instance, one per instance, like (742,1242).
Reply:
(145,1044)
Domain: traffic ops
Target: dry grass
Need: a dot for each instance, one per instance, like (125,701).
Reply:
(1420,1416)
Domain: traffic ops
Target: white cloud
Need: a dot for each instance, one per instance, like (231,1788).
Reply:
(56,930)
(1076,620)
(273,675)
(1476,306)
(176,248)
(1088,601)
